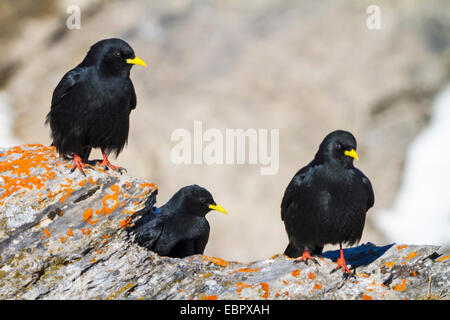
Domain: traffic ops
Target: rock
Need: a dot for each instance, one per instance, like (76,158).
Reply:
(64,236)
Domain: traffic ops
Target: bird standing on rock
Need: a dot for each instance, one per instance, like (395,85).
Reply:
(327,200)
(91,104)
(180,228)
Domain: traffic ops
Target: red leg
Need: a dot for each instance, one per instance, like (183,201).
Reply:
(105,163)
(305,257)
(341,261)
(78,164)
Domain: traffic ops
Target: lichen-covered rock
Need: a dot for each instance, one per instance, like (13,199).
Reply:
(50,217)
(64,236)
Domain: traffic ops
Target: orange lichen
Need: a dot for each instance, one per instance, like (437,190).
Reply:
(82,183)
(66,193)
(20,170)
(363,275)
(295,273)
(125,223)
(110,201)
(87,215)
(400,287)
(411,255)
(46,233)
(86,231)
(317,286)
(389,264)
(205,297)
(63,239)
(401,247)
(242,285)
(106,236)
(265,287)
(311,276)
(148,185)
(216,260)
(70,232)
(366,297)
(93,221)
(246,270)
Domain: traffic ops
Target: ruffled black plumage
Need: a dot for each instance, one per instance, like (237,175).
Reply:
(180,228)
(327,200)
(91,104)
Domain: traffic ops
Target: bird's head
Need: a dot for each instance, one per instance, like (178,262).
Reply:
(112,56)
(338,146)
(194,200)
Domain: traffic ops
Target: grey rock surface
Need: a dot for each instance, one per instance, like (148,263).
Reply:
(64,236)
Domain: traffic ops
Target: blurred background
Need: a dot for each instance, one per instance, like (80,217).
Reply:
(303,67)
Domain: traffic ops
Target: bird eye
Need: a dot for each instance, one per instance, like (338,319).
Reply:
(117,53)
(339,146)
(202,200)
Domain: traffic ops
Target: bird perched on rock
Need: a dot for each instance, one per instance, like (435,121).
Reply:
(327,200)
(180,228)
(91,104)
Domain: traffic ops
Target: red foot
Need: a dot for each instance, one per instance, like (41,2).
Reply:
(341,262)
(305,257)
(78,164)
(105,163)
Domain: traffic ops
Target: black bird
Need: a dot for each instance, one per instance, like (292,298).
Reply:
(327,201)
(180,228)
(91,104)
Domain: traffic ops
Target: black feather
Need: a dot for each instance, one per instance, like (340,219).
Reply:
(180,228)
(91,104)
(327,200)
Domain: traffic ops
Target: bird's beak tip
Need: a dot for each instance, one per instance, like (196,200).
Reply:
(217,208)
(138,61)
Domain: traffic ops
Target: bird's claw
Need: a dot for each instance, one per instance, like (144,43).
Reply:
(79,164)
(343,266)
(305,257)
(107,165)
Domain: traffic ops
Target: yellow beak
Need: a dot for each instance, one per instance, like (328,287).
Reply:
(136,60)
(352,153)
(217,208)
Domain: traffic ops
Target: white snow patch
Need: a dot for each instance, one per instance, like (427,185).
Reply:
(421,211)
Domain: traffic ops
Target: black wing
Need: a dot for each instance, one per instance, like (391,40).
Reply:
(67,83)
(148,233)
(133,97)
(369,189)
(292,189)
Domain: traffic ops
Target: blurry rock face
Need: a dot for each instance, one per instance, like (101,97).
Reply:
(305,68)
(65,236)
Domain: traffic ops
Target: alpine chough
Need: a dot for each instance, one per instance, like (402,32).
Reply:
(91,104)
(327,200)
(179,228)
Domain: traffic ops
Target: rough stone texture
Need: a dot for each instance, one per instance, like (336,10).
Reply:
(63,236)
